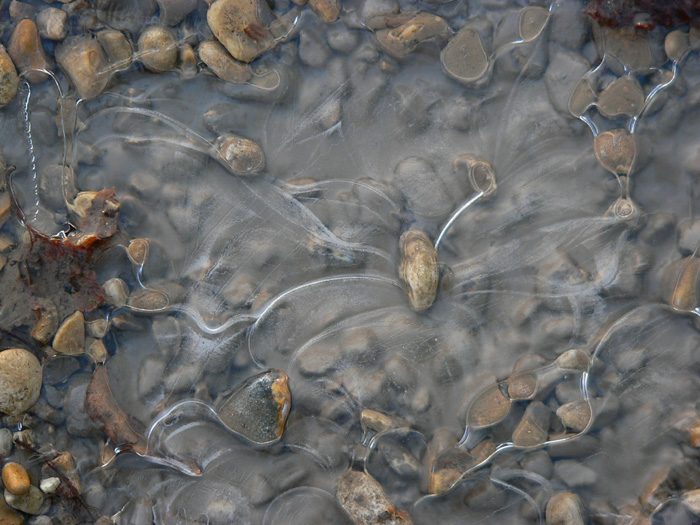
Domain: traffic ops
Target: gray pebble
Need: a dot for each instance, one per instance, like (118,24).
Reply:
(574,473)
(5,442)
(562,76)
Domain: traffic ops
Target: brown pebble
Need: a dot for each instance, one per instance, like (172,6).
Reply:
(615,150)
(15,478)
(565,509)
(70,337)
(9,80)
(158,50)
(326,10)
(222,64)
(27,52)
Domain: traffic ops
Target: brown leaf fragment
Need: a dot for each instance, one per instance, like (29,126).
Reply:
(103,409)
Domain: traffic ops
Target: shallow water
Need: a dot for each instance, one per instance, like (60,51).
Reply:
(295,268)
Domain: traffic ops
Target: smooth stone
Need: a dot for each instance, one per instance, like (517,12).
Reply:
(539,463)
(424,191)
(117,48)
(31,502)
(365,501)
(188,61)
(9,80)
(20,380)
(533,429)
(84,61)
(157,47)
(6,442)
(402,40)
(70,337)
(116,291)
(257,408)
(569,25)
(489,408)
(676,45)
(615,150)
(532,22)
(240,25)
(574,473)
(27,52)
(241,155)
(318,360)
(624,96)
(688,236)
(49,485)
(172,12)
(582,97)
(15,478)
(326,10)
(312,50)
(419,268)
(19,10)
(464,58)
(399,459)
(47,321)
(341,39)
(563,75)
(629,48)
(148,300)
(575,415)
(374,421)
(222,64)
(680,284)
(128,15)
(52,23)
(565,508)
(574,359)
(522,386)
(9,516)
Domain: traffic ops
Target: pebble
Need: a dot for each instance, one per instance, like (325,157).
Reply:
(562,78)
(364,499)
(240,27)
(117,48)
(6,442)
(222,64)
(157,47)
(399,459)
(326,10)
(424,191)
(319,360)
(679,284)
(9,80)
(419,268)
(20,380)
(148,300)
(532,22)
(688,236)
(522,386)
(31,502)
(533,429)
(574,360)
(84,61)
(257,408)
(27,52)
(374,421)
(98,351)
(615,150)
(70,337)
(582,97)
(116,291)
(312,50)
(241,155)
(15,478)
(488,408)
(627,50)
(538,462)
(52,23)
(480,173)
(172,12)
(402,40)
(188,61)
(47,322)
(676,45)
(565,508)
(49,485)
(342,39)
(19,10)
(574,473)
(575,415)
(624,96)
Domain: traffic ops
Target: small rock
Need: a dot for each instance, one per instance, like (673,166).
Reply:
(97,328)
(538,462)
(582,98)
(373,421)
(424,192)
(27,52)
(172,12)
(9,80)
(188,61)
(84,61)
(117,48)
(5,442)
(15,478)
(679,284)
(32,502)
(615,150)
(366,502)
(240,26)
(522,386)
(688,236)
(20,380)
(116,291)
(489,408)
(399,459)
(575,415)
(47,322)
(574,473)
(148,300)
(676,45)
(533,429)
(624,96)
(52,23)
(574,360)
(49,485)
(318,359)
(257,409)
(628,49)
(341,39)
(312,50)
(565,508)
(419,268)
(563,77)
(70,337)
(98,351)
(157,47)
(138,251)
(532,22)
(241,155)
(222,64)
(402,40)
(20,10)
(150,373)
(326,10)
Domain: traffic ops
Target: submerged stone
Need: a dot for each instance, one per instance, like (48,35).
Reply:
(419,268)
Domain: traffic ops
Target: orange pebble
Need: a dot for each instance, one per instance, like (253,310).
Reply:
(15,478)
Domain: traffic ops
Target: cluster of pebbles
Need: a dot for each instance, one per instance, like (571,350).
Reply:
(359,261)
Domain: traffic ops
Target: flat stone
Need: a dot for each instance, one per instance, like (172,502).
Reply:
(31,502)
(70,337)
(615,150)
(84,61)
(533,429)
(364,499)
(623,97)
(574,359)
(489,408)
(157,47)
(464,58)
(532,21)
(9,80)
(27,52)
(148,300)
(116,291)
(49,485)
(222,64)
(20,380)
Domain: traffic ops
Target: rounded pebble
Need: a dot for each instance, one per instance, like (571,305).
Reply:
(20,380)
(15,478)
(157,48)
